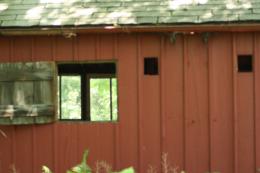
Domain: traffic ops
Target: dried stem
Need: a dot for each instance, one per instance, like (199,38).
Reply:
(13,169)
(103,167)
(151,169)
(3,133)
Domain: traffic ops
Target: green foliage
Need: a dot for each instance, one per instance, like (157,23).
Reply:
(114,99)
(83,167)
(45,169)
(70,97)
(101,98)
(127,170)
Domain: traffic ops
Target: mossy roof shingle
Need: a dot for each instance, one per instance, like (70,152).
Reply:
(27,13)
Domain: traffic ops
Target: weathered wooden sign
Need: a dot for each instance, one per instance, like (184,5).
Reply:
(27,92)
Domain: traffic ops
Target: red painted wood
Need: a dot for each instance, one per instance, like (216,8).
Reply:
(221,103)
(23,149)
(257,99)
(127,69)
(186,111)
(106,145)
(86,47)
(235,114)
(246,158)
(66,149)
(64,49)
(6,142)
(42,48)
(5,49)
(106,46)
(22,48)
(244,43)
(172,101)
(149,97)
(43,147)
(87,139)
(196,106)
(6,137)
(245,110)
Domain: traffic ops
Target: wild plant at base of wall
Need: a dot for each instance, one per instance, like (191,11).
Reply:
(83,167)
(103,167)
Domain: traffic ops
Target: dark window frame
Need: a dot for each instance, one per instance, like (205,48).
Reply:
(86,71)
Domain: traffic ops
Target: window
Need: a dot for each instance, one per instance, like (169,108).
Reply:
(88,92)
(151,66)
(245,63)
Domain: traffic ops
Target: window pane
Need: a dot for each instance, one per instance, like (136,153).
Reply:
(114,99)
(70,97)
(100,99)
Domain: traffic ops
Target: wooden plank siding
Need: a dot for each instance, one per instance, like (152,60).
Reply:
(221,101)
(257,99)
(199,109)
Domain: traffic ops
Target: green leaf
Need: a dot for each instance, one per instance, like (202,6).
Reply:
(45,169)
(82,167)
(128,170)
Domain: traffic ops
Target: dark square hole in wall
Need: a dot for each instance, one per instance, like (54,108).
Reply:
(151,66)
(245,63)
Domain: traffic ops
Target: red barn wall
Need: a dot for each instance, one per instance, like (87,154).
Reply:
(199,110)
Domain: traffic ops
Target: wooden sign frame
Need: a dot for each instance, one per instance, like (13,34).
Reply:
(28,92)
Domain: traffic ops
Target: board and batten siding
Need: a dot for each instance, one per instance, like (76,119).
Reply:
(199,109)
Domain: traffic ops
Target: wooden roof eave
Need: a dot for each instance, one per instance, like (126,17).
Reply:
(69,31)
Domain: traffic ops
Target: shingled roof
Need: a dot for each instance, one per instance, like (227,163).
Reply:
(39,13)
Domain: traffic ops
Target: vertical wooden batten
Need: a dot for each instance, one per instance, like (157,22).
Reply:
(255,71)
(75,49)
(97,47)
(162,98)
(257,99)
(185,61)
(162,115)
(234,55)
(139,103)
(210,77)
